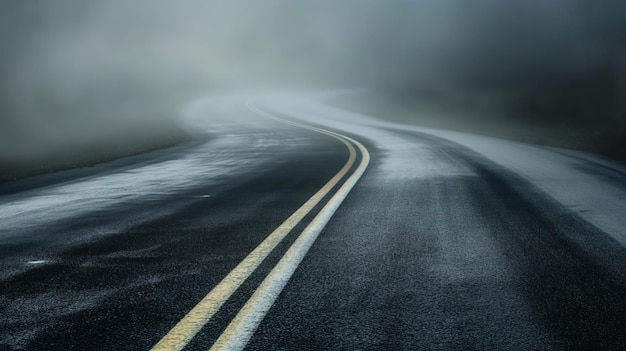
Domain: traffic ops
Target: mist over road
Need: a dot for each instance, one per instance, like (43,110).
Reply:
(268,220)
(79,72)
(447,240)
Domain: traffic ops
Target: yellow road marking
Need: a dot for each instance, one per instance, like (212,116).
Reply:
(198,316)
(242,327)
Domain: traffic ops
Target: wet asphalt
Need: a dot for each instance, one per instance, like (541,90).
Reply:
(464,256)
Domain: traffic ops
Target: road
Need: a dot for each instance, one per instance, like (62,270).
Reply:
(292,225)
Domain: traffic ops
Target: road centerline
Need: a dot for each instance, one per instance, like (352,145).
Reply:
(242,327)
(180,335)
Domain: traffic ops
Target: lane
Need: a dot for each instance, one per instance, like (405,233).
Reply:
(125,287)
(407,263)
(440,247)
(459,259)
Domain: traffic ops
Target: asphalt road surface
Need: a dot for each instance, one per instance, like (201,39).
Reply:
(292,225)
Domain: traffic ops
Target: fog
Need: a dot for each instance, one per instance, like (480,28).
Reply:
(75,71)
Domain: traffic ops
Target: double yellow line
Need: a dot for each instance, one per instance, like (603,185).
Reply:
(241,328)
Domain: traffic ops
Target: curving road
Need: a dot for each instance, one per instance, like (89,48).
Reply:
(292,225)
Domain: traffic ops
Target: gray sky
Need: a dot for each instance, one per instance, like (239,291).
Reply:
(88,55)
(257,42)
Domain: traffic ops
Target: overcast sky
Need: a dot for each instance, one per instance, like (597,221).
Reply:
(132,53)
(246,43)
